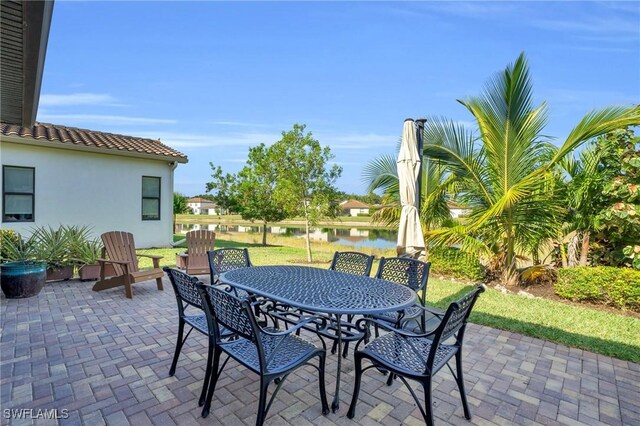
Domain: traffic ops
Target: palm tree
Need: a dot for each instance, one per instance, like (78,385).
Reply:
(505,172)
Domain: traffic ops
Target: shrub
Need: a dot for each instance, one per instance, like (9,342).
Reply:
(619,287)
(454,263)
(8,239)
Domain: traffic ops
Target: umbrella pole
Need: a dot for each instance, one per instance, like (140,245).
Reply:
(419,127)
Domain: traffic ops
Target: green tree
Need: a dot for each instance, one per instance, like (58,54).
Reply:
(305,179)
(223,189)
(584,195)
(505,173)
(618,223)
(256,189)
(180,204)
(179,207)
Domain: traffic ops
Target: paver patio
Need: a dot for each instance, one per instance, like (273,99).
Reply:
(105,359)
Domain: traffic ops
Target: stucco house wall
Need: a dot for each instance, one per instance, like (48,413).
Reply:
(103,191)
(203,208)
(356,212)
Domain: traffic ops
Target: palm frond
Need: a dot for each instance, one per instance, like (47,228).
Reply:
(454,146)
(596,123)
(381,174)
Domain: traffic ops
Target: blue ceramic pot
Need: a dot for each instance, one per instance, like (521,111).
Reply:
(22,279)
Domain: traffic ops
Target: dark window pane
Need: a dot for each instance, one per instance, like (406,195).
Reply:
(151,187)
(150,208)
(18,204)
(18,179)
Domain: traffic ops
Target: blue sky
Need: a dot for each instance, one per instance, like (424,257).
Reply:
(212,79)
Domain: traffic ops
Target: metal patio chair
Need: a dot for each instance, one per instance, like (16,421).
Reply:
(413,274)
(352,262)
(268,352)
(188,298)
(418,356)
(225,260)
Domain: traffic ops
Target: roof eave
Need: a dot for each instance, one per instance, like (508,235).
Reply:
(95,150)
(37,20)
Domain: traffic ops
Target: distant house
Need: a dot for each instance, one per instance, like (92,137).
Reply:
(457,210)
(354,208)
(203,206)
(54,174)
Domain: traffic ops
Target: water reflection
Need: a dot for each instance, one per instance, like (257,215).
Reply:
(355,237)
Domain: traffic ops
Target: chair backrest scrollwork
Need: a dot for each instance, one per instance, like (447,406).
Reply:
(227,259)
(352,262)
(406,271)
(185,289)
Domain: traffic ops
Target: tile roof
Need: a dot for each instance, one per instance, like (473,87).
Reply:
(354,204)
(199,200)
(117,144)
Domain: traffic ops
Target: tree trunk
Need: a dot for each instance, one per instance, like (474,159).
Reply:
(509,274)
(264,233)
(584,253)
(563,251)
(572,251)
(309,259)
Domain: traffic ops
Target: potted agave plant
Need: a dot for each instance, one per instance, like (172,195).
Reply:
(54,248)
(21,273)
(87,253)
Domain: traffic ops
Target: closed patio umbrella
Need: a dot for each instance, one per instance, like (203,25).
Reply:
(410,238)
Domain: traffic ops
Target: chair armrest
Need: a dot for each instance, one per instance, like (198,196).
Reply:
(177,243)
(389,327)
(303,322)
(119,262)
(150,256)
(432,310)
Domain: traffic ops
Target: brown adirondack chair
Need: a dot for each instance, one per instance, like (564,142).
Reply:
(120,251)
(195,260)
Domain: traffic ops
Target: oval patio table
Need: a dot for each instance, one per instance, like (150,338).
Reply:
(323,291)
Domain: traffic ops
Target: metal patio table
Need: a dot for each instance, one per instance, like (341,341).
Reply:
(323,291)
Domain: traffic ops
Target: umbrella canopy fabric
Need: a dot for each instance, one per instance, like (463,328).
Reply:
(410,238)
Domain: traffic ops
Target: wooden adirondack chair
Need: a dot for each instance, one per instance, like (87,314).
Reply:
(120,251)
(195,260)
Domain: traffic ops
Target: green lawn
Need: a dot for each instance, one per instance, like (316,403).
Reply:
(581,327)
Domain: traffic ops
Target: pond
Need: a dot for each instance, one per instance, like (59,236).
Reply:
(354,237)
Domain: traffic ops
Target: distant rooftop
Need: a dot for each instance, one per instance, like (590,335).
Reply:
(354,204)
(200,200)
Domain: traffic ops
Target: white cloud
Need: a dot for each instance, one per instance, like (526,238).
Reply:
(238,124)
(591,25)
(78,99)
(207,140)
(357,141)
(102,120)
